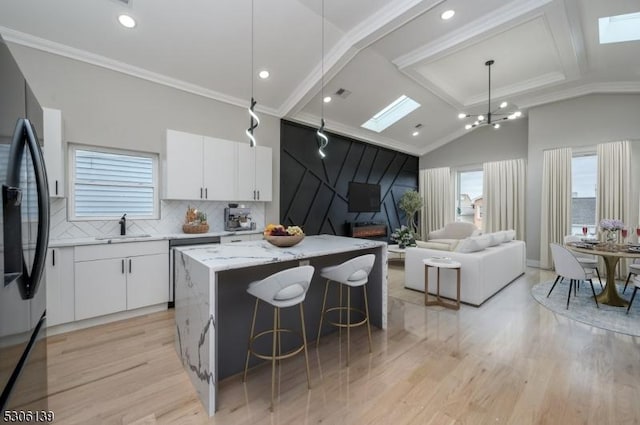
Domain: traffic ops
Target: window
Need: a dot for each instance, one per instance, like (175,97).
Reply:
(107,183)
(469,197)
(391,113)
(584,168)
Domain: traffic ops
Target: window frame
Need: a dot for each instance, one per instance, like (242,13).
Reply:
(458,171)
(71,211)
(577,153)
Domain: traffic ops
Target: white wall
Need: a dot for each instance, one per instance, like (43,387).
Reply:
(102,107)
(580,122)
(484,144)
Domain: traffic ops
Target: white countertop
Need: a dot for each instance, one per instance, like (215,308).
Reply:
(251,253)
(59,243)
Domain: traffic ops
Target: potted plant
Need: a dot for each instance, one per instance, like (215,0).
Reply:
(411,202)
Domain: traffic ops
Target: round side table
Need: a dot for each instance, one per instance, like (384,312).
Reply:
(441,263)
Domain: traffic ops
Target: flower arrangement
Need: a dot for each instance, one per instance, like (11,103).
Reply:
(610,228)
(611,224)
(404,237)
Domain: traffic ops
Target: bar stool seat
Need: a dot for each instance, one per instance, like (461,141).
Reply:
(351,273)
(284,289)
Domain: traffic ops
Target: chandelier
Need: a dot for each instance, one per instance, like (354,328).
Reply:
(491,118)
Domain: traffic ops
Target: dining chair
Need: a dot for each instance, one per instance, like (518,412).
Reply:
(636,282)
(589,262)
(634,269)
(568,267)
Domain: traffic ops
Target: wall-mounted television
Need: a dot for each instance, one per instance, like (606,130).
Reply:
(364,197)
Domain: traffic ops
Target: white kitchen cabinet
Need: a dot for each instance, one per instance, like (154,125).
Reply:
(183,167)
(59,275)
(255,181)
(147,280)
(101,287)
(52,150)
(200,167)
(110,278)
(219,163)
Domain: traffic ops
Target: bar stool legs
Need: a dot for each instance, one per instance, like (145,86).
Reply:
(348,309)
(284,289)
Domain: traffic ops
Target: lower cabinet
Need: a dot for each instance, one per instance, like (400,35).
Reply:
(118,277)
(60,286)
(241,238)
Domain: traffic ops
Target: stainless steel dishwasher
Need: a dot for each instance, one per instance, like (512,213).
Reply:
(173,243)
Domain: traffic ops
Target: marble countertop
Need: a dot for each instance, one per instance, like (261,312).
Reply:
(251,253)
(60,243)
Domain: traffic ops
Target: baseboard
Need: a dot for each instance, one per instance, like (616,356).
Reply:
(95,321)
(533,263)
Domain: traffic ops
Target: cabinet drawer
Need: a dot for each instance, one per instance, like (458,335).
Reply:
(120,250)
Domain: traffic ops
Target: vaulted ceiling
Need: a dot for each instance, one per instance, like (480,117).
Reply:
(544,51)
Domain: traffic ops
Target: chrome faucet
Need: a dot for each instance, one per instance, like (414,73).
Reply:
(123,225)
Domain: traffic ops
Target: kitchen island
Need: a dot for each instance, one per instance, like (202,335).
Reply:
(213,309)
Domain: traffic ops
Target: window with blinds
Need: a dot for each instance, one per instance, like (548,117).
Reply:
(107,184)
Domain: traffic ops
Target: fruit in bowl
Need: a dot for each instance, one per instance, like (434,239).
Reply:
(278,235)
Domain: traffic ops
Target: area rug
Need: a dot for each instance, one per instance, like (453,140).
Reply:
(583,309)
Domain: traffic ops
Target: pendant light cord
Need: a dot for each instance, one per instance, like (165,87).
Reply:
(322,66)
(254,121)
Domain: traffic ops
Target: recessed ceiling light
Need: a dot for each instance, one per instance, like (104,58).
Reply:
(126,21)
(448,14)
(264,74)
(415,133)
(327,99)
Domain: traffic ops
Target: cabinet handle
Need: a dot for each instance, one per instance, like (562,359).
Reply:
(206,193)
(53,257)
(122,266)
(56,187)
(129,265)
(258,195)
(254,195)
(200,193)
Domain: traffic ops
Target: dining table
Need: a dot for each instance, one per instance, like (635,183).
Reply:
(611,255)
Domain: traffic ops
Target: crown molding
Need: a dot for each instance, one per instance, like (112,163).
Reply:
(621,87)
(364,34)
(63,50)
(471,31)
(338,128)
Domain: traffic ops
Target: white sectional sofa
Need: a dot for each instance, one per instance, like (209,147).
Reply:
(483,273)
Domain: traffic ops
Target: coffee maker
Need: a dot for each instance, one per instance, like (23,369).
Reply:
(238,219)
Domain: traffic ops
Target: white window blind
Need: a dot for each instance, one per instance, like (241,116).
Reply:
(108,184)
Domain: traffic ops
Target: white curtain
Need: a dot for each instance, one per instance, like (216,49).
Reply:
(436,188)
(614,183)
(555,205)
(504,187)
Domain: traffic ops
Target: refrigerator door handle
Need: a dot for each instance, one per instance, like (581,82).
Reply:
(25,135)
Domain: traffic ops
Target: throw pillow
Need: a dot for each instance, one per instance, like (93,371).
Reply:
(472,244)
(434,245)
(496,238)
(511,235)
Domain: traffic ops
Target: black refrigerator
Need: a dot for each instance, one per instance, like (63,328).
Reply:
(24,237)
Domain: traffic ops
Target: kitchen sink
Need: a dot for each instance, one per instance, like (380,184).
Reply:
(132,236)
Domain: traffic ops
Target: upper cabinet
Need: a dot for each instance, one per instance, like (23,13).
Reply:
(254,173)
(206,168)
(52,150)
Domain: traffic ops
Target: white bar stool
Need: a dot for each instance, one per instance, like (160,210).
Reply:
(283,289)
(351,273)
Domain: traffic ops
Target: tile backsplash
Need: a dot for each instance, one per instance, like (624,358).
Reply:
(171,219)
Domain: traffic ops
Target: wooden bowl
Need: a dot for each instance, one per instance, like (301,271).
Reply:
(195,228)
(284,241)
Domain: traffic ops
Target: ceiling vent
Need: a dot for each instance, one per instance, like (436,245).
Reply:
(124,2)
(343,93)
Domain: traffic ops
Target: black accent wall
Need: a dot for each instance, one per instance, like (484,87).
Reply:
(313,192)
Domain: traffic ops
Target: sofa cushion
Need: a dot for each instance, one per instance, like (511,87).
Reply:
(434,245)
(472,244)
(510,235)
(496,238)
(454,230)
(451,242)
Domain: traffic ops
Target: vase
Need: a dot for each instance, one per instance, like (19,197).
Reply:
(611,239)
(401,246)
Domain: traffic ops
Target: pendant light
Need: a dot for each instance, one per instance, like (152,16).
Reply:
(254,121)
(322,138)
(492,118)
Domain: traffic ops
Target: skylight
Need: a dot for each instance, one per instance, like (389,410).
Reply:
(616,29)
(395,111)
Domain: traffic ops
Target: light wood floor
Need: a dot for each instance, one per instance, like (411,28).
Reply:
(509,362)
